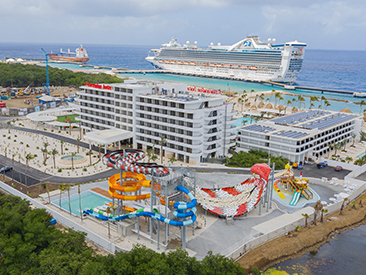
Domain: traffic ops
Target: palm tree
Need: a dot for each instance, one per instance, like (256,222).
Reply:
(54,152)
(62,189)
(9,126)
(12,165)
(81,213)
(313,99)
(69,119)
(277,95)
(348,159)
(323,98)
(6,156)
(154,157)
(109,211)
(28,157)
(80,134)
(89,153)
(326,103)
(330,146)
(362,102)
(20,175)
(344,201)
(353,139)
(73,154)
(62,146)
(317,208)
(149,153)
(48,193)
(306,219)
(68,194)
(172,159)
(324,211)
(354,204)
(77,144)
(162,142)
(301,100)
(261,96)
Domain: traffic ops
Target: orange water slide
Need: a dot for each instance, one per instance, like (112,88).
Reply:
(132,183)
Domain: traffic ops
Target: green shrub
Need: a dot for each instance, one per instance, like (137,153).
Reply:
(4,135)
(66,149)
(59,132)
(59,170)
(27,145)
(15,136)
(9,137)
(21,142)
(52,130)
(44,129)
(84,170)
(255,270)
(35,155)
(15,140)
(37,147)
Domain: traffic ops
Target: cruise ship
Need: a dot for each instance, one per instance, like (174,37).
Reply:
(249,59)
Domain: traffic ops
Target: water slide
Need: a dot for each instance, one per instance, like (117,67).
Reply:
(282,196)
(236,200)
(307,193)
(127,160)
(180,212)
(295,198)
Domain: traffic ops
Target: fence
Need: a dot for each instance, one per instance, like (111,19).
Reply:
(62,219)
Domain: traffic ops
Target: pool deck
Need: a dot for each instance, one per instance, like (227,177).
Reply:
(102,192)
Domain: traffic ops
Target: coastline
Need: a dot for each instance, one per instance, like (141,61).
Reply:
(295,244)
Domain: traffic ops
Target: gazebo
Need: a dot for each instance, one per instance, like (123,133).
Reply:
(269,106)
(261,104)
(346,110)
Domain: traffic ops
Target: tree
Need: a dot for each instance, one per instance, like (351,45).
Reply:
(162,142)
(149,153)
(154,157)
(172,159)
(73,154)
(317,208)
(45,152)
(62,189)
(20,175)
(9,126)
(90,153)
(330,147)
(326,103)
(109,211)
(77,144)
(81,213)
(353,139)
(306,219)
(348,159)
(354,204)
(28,157)
(313,99)
(362,102)
(54,152)
(6,157)
(324,211)
(12,165)
(301,100)
(67,187)
(69,119)
(343,203)
(62,146)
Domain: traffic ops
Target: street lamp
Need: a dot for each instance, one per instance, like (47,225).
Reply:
(48,79)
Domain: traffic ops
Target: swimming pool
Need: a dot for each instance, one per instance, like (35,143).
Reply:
(239,121)
(361,155)
(89,199)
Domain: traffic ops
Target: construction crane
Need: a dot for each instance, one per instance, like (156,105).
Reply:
(48,79)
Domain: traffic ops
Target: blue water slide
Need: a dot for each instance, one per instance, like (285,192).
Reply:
(181,212)
(295,198)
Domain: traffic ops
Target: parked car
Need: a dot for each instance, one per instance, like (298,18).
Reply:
(5,169)
(338,168)
(322,164)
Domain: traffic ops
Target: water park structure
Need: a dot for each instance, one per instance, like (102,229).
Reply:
(170,185)
(287,181)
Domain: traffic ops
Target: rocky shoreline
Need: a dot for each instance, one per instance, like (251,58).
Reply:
(297,243)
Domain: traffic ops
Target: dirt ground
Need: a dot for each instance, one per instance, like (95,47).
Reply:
(26,101)
(297,243)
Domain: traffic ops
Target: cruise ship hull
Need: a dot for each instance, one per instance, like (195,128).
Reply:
(249,59)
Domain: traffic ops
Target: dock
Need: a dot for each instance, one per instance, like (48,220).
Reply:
(152,71)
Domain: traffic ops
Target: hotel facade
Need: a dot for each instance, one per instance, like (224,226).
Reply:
(301,135)
(193,125)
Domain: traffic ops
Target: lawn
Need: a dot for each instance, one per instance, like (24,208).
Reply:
(62,118)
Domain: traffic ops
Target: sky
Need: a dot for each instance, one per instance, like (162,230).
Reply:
(324,24)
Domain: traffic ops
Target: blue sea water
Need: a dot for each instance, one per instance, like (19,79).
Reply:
(341,70)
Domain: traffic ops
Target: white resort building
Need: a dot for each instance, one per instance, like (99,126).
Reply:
(296,136)
(194,125)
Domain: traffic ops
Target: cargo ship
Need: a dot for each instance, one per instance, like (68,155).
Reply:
(249,59)
(79,56)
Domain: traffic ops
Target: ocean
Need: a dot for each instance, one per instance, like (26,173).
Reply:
(342,70)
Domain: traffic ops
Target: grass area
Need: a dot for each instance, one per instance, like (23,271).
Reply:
(62,118)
